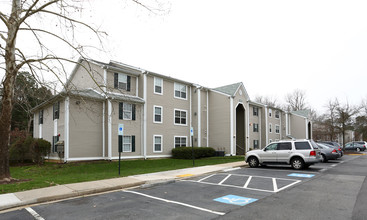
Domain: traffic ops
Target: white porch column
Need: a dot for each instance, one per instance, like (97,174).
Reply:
(66,130)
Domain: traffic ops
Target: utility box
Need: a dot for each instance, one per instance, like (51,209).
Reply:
(60,147)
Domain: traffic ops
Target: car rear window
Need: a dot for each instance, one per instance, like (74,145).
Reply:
(285,146)
(360,142)
(302,145)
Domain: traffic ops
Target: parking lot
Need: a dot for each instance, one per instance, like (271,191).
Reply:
(205,197)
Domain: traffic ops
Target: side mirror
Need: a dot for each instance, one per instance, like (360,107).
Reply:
(264,149)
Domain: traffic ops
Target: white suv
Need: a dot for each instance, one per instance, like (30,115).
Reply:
(298,153)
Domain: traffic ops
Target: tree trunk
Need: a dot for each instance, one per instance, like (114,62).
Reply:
(8,93)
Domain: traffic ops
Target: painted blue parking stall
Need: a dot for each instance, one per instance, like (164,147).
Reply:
(235,200)
(304,175)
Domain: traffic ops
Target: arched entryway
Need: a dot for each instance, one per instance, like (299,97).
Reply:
(240,130)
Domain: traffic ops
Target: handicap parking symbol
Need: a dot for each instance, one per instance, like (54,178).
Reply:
(235,200)
(301,175)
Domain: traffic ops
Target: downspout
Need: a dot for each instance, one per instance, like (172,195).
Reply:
(66,131)
(199,117)
(190,141)
(266,126)
(104,113)
(207,118)
(247,126)
(109,132)
(260,128)
(145,116)
(231,123)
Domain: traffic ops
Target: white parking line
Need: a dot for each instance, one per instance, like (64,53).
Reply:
(34,214)
(232,169)
(224,180)
(175,202)
(205,178)
(275,185)
(247,182)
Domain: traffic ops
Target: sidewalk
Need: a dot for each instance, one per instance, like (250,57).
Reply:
(12,200)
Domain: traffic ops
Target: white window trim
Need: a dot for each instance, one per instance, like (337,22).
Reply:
(131,144)
(270,113)
(276,129)
(154,136)
(157,93)
(154,121)
(270,128)
(174,91)
(123,115)
(174,116)
(174,140)
(275,114)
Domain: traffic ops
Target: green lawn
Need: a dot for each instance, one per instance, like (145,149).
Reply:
(52,174)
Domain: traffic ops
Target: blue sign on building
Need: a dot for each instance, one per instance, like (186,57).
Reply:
(235,200)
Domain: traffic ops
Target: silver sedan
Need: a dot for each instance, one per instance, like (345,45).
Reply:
(328,152)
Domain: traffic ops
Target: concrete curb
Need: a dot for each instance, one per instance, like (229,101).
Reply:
(68,191)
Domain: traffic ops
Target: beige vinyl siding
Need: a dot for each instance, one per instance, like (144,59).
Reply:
(219,122)
(204,112)
(85,128)
(36,124)
(167,129)
(298,126)
(131,127)
(110,84)
(85,78)
(254,120)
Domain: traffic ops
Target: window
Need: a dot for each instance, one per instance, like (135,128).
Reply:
(55,139)
(302,145)
(127,143)
(270,140)
(122,81)
(277,115)
(277,129)
(180,142)
(270,112)
(126,111)
(40,117)
(256,144)
(180,91)
(255,111)
(56,110)
(180,117)
(158,85)
(272,146)
(256,127)
(270,129)
(157,117)
(285,146)
(157,142)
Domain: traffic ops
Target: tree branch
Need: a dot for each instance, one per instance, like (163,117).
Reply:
(4,19)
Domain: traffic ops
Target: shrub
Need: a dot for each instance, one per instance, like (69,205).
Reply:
(40,149)
(29,149)
(186,152)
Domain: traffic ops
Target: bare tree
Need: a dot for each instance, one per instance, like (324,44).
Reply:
(44,22)
(296,100)
(345,115)
(330,119)
(269,101)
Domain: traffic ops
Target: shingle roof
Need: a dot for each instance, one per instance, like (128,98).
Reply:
(303,113)
(229,89)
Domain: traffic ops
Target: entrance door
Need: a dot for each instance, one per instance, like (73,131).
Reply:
(240,130)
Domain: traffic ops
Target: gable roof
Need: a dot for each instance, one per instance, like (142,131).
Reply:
(304,113)
(229,89)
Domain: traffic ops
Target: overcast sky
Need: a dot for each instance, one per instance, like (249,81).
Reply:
(273,47)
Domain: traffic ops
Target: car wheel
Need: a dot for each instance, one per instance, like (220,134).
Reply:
(297,163)
(323,158)
(253,162)
(358,149)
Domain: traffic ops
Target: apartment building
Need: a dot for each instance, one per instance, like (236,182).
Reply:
(110,105)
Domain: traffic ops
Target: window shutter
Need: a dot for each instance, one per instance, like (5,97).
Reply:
(133,112)
(58,110)
(128,83)
(121,108)
(116,80)
(53,112)
(133,143)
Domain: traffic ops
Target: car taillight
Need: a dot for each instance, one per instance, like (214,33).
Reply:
(313,153)
(334,151)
